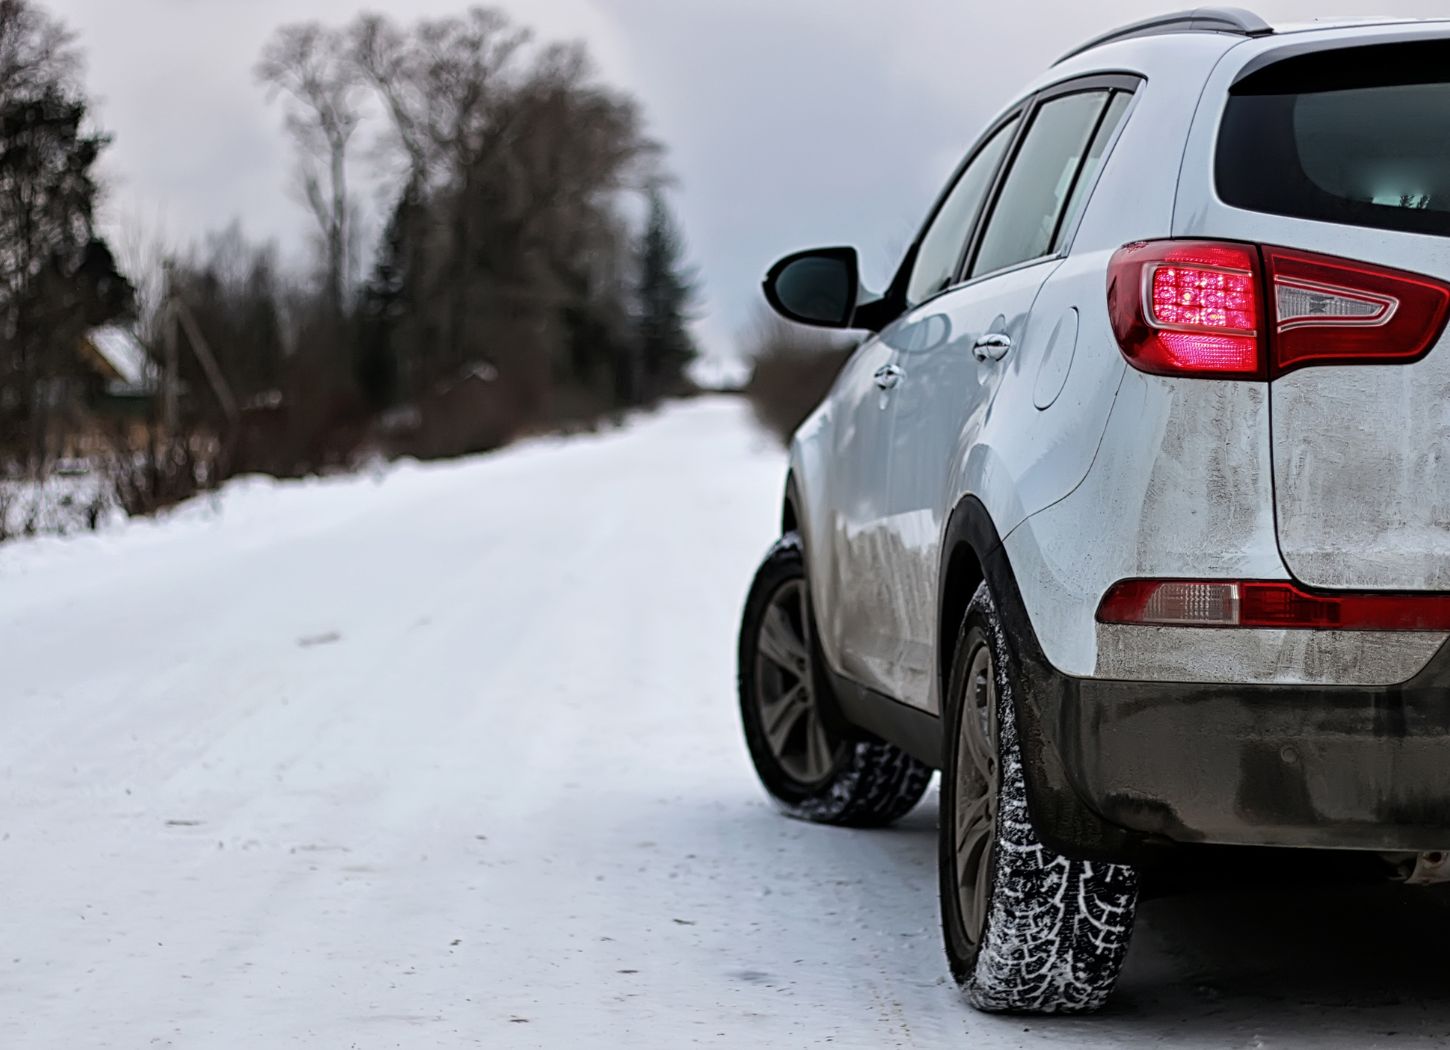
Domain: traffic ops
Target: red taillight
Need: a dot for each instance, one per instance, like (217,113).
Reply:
(1199,308)
(1269,604)
(1188,308)
(1333,311)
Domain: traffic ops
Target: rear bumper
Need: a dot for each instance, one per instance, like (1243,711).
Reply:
(1358,768)
(1118,769)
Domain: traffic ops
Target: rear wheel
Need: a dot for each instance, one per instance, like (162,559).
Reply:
(812,769)
(1025,929)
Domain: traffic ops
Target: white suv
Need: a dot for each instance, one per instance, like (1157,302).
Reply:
(1133,514)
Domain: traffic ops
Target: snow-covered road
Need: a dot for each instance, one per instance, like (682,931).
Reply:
(449,758)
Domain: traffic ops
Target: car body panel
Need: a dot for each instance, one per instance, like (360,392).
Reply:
(1180,487)
(943,427)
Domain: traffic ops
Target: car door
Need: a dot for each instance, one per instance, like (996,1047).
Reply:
(966,342)
(861,595)
(855,639)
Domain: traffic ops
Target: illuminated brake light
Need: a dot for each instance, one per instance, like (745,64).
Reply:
(1198,308)
(1203,299)
(1188,308)
(1269,604)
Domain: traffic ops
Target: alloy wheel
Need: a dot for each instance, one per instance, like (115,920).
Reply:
(977,774)
(785,689)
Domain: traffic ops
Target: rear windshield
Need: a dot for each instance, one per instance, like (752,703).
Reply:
(1359,136)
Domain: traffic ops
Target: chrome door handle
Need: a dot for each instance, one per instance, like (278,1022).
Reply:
(992,347)
(888,376)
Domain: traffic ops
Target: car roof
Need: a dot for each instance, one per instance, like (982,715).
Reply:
(1348,23)
(1230,25)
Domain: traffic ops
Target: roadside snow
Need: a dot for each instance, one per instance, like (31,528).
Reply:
(448,757)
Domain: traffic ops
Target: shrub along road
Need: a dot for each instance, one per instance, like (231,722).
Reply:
(449,758)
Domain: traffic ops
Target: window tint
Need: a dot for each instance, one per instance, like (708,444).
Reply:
(941,247)
(1355,136)
(1035,192)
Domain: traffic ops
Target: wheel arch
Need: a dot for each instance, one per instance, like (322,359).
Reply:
(969,541)
(790,517)
(972,552)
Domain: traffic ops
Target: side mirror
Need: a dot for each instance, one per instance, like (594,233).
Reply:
(818,287)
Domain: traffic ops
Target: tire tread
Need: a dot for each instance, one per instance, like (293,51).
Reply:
(1057,929)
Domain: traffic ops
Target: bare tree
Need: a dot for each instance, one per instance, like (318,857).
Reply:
(507,252)
(443,85)
(384,55)
(447,87)
(36,51)
(311,65)
(144,246)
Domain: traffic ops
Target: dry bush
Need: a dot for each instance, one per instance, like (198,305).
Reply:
(479,412)
(9,498)
(149,471)
(794,370)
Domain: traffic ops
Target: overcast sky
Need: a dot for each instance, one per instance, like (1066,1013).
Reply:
(790,123)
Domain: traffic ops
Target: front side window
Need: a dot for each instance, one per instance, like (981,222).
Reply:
(942,245)
(1036,190)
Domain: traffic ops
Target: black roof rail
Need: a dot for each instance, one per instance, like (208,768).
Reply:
(1233,20)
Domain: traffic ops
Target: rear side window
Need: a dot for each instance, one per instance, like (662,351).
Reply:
(1036,191)
(1357,136)
(1088,177)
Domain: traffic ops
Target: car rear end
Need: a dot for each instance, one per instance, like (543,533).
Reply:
(1268,663)
(1338,143)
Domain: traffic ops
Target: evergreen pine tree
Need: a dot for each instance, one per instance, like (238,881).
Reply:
(56,277)
(384,370)
(667,293)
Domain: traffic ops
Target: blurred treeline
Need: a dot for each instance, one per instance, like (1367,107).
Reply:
(493,252)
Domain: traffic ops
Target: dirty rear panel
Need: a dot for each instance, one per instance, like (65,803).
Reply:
(1341,145)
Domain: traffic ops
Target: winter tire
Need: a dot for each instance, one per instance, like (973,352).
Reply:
(1026,930)
(811,770)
